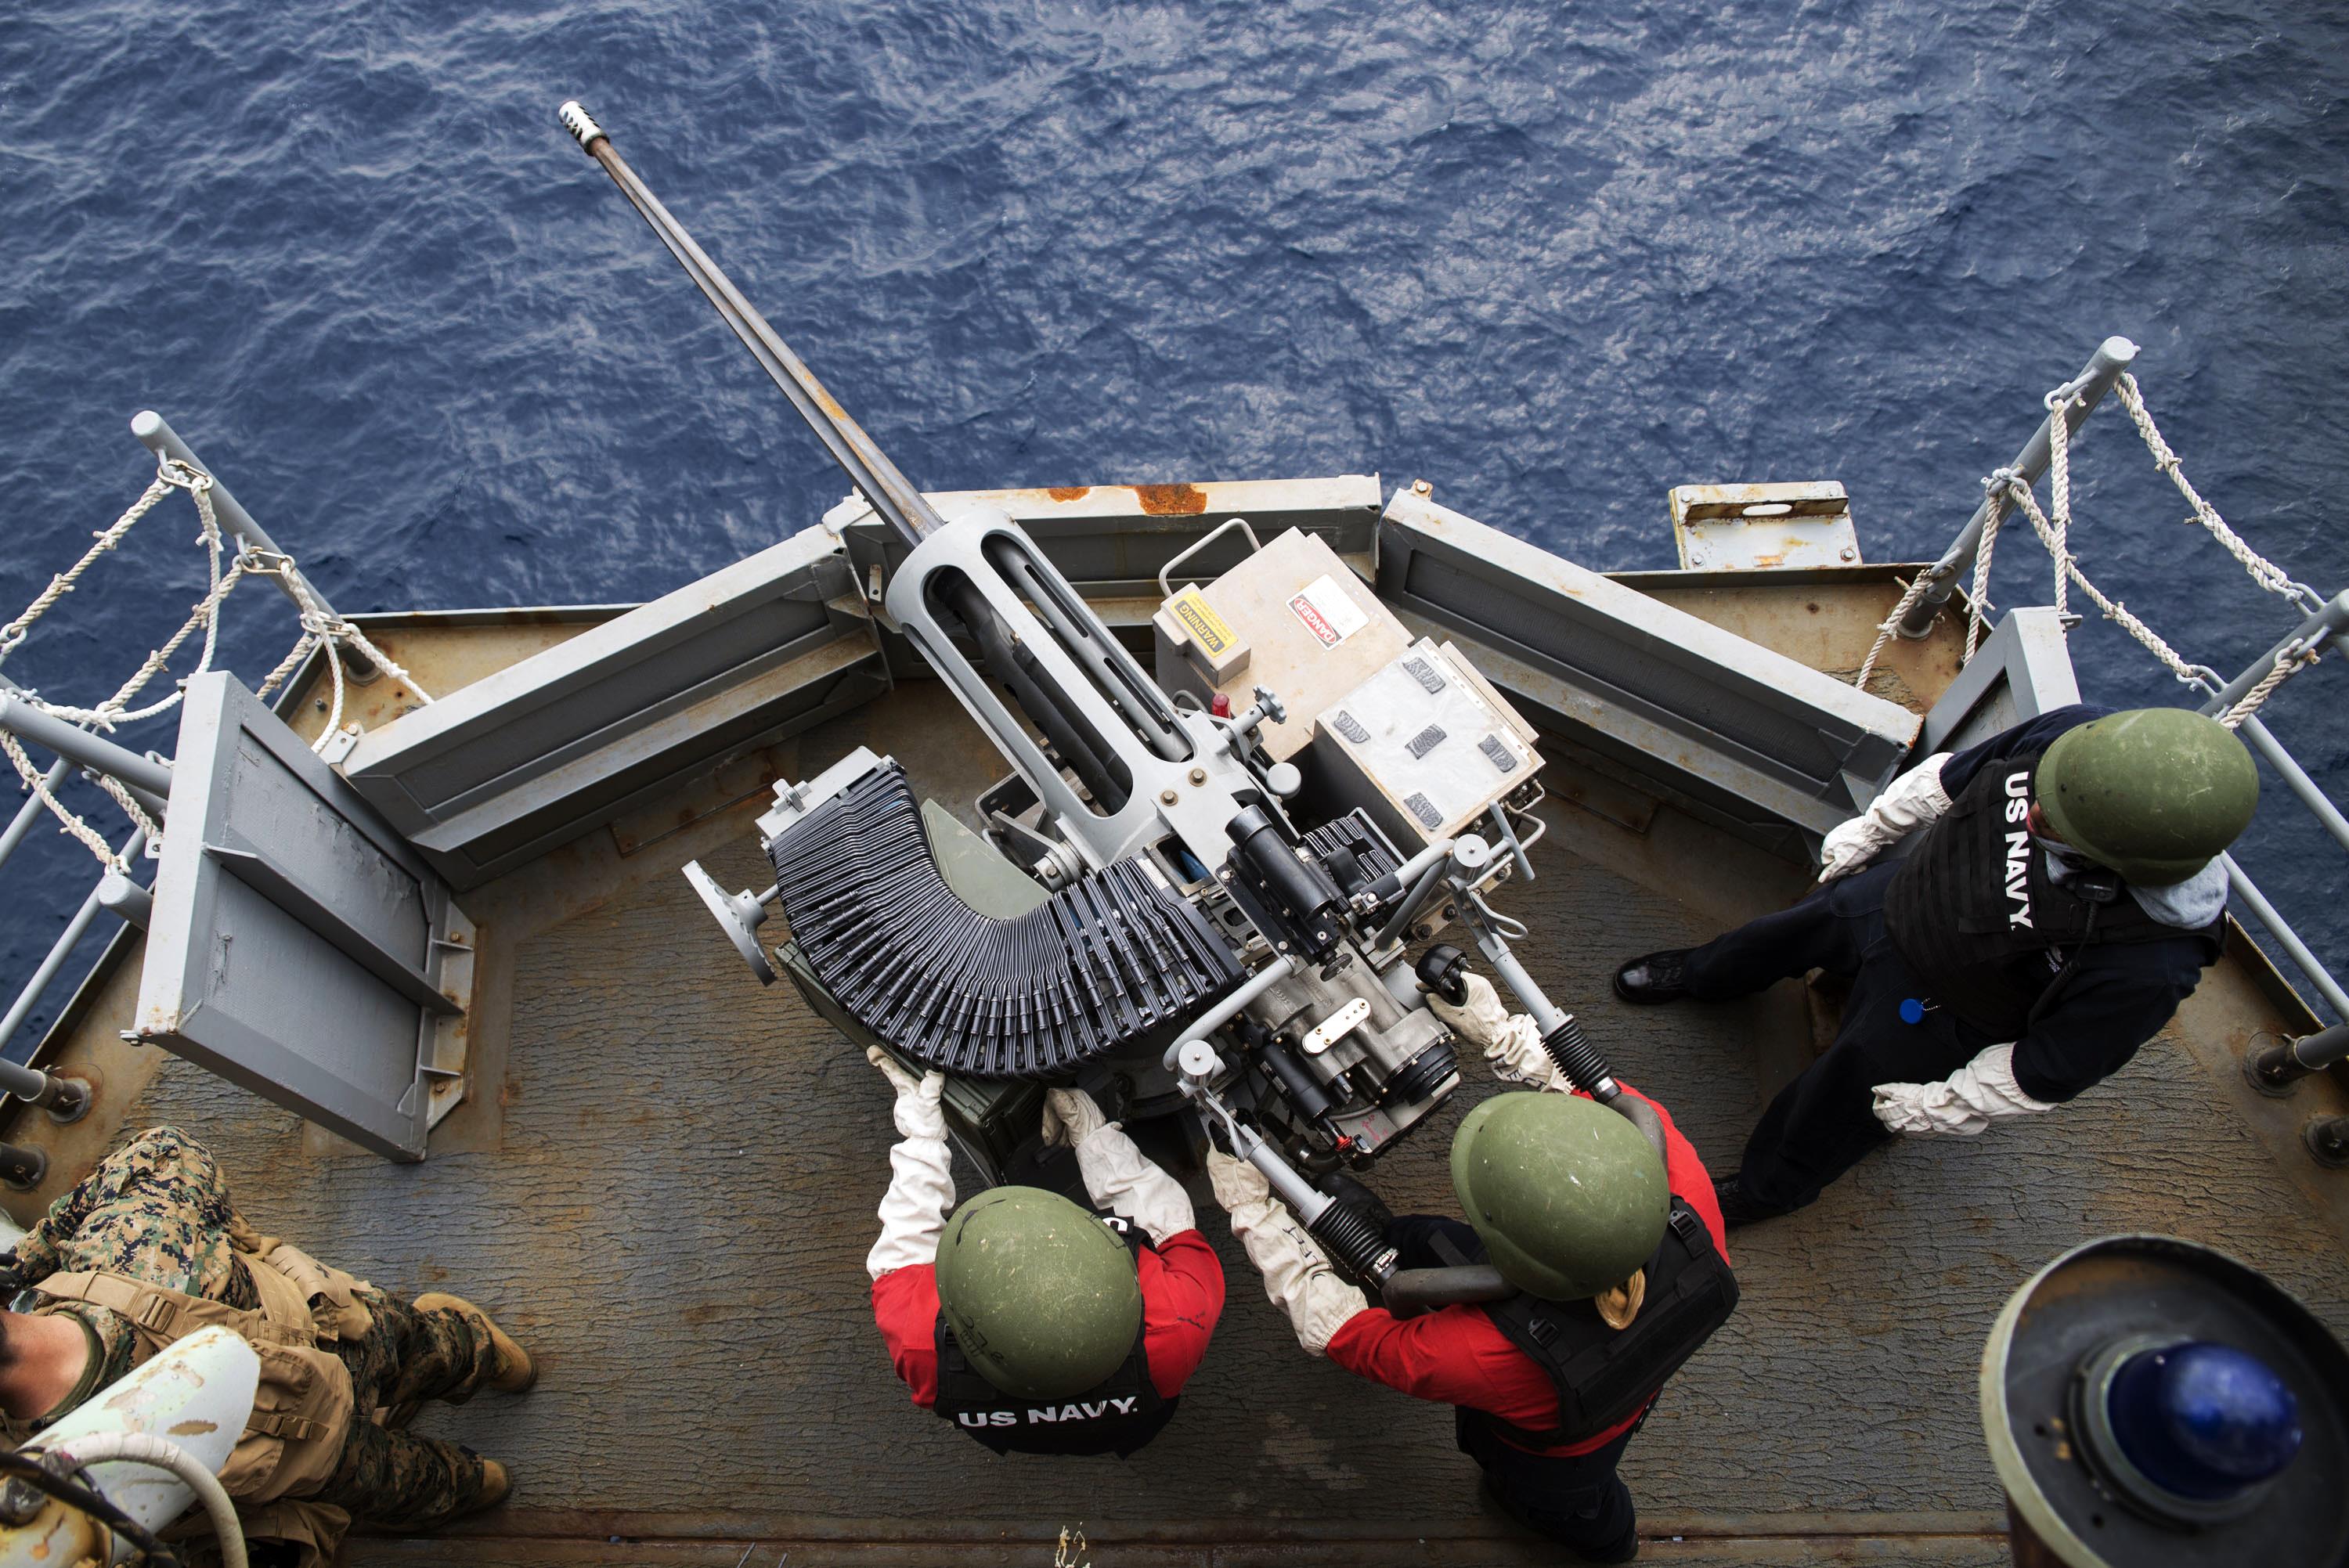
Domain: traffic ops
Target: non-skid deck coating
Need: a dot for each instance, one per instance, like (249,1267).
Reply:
(671,1197)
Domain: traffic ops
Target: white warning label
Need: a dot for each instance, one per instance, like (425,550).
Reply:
(1328,611)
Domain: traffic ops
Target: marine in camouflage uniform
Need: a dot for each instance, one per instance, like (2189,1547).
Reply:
(157,1210)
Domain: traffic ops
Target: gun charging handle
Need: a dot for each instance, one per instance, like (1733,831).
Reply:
(1562,1038)
(1348,1233)
(1443,971)
(1344,1229)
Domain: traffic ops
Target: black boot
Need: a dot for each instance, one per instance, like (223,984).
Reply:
(1654,977)
(1624,1548)
(1737,1208)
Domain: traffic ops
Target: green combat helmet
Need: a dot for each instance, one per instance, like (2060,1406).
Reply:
(1041,1294)
(1569,1198)
(2154,793)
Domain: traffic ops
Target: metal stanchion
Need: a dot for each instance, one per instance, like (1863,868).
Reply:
(22,1167)
(2113,357)
(2274,1068)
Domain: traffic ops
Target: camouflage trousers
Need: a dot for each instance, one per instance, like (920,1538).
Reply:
(158,1210)
(389,1477)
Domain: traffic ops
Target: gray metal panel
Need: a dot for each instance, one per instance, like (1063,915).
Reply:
(1110,539)
(2022,669)
(501,771)
(293,944)
(1702,711)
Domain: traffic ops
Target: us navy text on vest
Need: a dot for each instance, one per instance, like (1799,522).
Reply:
(1084,1411)
(1075,1410)
(2018,846)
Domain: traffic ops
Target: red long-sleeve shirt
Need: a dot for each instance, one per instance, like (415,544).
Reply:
(1182,1297)
(1458,1355)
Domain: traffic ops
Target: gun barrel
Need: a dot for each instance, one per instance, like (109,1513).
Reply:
(889,491)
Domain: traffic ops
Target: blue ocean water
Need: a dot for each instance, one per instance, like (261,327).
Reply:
(1555,258)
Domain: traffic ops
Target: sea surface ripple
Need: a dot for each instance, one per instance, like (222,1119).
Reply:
(1554,259)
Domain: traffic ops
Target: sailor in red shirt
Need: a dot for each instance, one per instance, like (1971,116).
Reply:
(1041,1327)
(1618,1257)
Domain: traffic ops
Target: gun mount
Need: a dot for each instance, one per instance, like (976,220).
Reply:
(1193,873)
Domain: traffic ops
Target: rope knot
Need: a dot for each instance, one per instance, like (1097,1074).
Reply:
(187,476)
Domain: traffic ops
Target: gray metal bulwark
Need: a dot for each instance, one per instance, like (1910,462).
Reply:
(295,945)
(1112,539)
(1766,742)
(2022,670)
(498,773)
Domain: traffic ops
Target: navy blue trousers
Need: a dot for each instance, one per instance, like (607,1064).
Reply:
(1581,1501)
(1824,1123)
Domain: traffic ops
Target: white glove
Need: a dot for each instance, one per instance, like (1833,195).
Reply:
(921,1178)
(1963,1104)
(1511,1041)
(1297,1277)
(1915,799)
(1071,1116)
(916,1113)
(1118,1176)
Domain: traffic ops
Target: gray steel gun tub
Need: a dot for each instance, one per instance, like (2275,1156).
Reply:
(1217,866)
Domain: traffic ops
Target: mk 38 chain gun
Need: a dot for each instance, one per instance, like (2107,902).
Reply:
(1215,881)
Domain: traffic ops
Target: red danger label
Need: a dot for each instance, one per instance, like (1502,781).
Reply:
(1315,621)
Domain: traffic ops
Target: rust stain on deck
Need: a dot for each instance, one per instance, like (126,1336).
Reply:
(1079,492)
(1171,500)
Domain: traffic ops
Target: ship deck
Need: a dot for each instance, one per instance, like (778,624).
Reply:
(664,1181)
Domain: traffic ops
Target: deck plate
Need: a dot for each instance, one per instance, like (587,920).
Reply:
(677,1211)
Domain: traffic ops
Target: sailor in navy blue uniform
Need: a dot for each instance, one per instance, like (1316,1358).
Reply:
(2062,897)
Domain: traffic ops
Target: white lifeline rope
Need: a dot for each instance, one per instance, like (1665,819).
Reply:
(167,475)
(68,820)
(287,666)
(171,474)
(114,710)
(2293,662)
(319,629)
(2054,532)
(1890,623)
(2067,568)
(2265,572)
(2059,498)
(381,660)
(2290,663)
(1978,596)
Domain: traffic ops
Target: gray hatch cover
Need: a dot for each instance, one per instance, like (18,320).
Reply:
(299,947)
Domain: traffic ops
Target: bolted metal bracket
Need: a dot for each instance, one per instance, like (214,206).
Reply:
(342,743)
(2273,1063)
(1763,526)
(2269,1065)
(456,953)
(22,1167)
(2327,1137)
(69,1101)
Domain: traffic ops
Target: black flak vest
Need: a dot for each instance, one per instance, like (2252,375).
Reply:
(1974,914)
(1117,1415)
(1604,1374)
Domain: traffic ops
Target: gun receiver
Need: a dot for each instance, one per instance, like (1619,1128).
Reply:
(1199,886)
